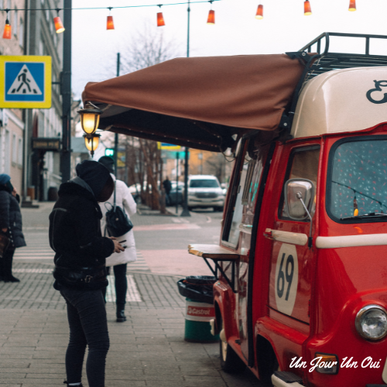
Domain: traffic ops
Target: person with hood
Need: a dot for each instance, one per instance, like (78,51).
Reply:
(119,262)
(80,272)
(10,225)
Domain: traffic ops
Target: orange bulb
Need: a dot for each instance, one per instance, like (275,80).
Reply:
(110,23)
(58,25)
(211,17)
(160,19)
(352,6)
(7,34)
(307,8)
(259,14)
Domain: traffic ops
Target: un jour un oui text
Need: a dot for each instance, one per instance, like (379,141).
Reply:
(347,362)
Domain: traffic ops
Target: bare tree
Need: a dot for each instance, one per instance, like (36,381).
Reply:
(143,159)
(146,48)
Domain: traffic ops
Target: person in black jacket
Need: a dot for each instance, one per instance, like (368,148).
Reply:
(10,225)
(80,272)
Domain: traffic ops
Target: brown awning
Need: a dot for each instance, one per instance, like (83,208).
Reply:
(198,102)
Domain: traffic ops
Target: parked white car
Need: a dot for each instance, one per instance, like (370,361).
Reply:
(204,191)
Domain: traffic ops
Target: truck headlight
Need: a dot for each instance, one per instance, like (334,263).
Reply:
(371,322)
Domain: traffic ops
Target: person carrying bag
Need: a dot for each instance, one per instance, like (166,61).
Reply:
(120,198)
(11,234)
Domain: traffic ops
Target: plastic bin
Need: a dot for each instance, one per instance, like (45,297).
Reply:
(199,308)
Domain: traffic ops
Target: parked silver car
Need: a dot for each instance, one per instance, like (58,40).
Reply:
(204,191)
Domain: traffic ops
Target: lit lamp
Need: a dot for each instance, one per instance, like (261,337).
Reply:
(160,18)
(90,118)
(91,142)
(352,5)
(7,33)
(110,22)
(307,8)
(211,15)
(259,14)
(58,23)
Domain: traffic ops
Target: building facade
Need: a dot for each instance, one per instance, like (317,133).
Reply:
(12,126)
(42,167)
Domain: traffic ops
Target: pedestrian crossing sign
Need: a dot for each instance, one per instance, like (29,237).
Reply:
(25,82)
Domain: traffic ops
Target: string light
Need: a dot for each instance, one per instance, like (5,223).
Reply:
(211,16)
(7,34)
(307,8)
(109,22)
(58,23)
(59,28)
(259,14)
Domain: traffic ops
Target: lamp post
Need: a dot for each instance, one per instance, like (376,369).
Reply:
(185,211)
(66,94)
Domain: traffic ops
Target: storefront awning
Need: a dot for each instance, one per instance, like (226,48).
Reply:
(198,102)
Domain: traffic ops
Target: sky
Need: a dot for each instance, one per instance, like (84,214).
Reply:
(236,31)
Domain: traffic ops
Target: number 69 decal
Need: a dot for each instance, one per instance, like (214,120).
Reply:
(286,278)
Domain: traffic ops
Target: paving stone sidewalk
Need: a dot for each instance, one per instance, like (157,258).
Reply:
(147,350)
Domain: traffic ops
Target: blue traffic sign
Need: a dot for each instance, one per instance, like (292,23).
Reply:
(26,82)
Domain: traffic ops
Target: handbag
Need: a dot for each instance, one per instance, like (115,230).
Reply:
(4,243)
(117,221)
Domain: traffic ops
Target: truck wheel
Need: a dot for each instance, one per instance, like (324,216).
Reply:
(230,362)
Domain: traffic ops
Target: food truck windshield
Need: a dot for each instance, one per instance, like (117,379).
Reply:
(357,180)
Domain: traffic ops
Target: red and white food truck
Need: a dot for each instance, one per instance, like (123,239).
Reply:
(301,295)
(301,265)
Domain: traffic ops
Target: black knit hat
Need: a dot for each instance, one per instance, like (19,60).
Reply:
(94,174)
(108,162)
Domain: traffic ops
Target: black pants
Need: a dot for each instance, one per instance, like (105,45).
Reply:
(6,264)
(88,326)
(120,284)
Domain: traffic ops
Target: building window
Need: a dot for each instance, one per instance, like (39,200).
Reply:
(14,149)
(20,152)
(7,167)
(21,33)
(15,22)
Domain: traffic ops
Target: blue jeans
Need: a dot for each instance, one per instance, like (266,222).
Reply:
(88,326)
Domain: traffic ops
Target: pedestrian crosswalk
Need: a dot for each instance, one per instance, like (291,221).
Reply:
(132,294)
(38,248)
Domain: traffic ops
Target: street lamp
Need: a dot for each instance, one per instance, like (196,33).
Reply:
(89,122)
(91,142)
(90,118)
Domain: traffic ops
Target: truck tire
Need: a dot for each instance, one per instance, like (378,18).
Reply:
(230,362)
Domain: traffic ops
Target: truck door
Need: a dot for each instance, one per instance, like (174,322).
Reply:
(238,228)
(291,261)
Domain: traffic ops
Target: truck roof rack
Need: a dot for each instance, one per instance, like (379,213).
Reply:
(319,58)
(330,60)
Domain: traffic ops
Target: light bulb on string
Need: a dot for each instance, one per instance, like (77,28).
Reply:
(58,23)
(110,22)
(7,33)
(352,5)
(307,8)
(211,15)
(160,18)
(259,14)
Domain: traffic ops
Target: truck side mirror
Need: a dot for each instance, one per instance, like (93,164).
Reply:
(299,197)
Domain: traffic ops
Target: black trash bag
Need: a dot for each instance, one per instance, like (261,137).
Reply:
(197,288)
